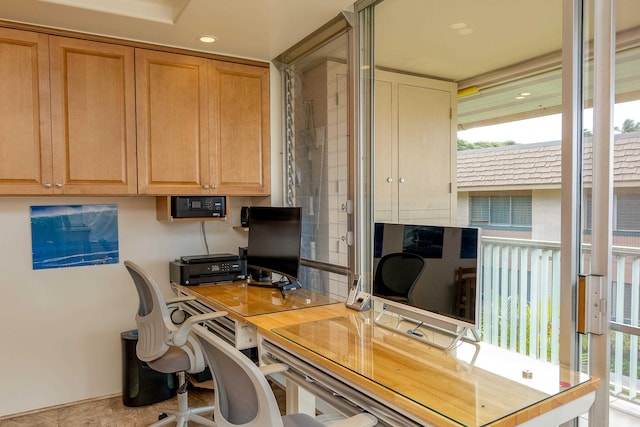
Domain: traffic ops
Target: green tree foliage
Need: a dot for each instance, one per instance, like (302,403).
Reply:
(464,145)
(629,126)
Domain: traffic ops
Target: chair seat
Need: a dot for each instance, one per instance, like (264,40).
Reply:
(174,360)
(300,420)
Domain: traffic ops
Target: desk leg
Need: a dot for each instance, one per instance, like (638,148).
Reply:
(299,400)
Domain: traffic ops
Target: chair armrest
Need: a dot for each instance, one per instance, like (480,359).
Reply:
(180,337)
(176,300)
(272,368)
(362,419)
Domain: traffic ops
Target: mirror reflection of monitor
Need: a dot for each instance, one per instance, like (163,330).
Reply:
(274,242)
(446,294)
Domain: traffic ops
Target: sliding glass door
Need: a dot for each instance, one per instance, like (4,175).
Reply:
(489,156)
(611,233)
(546,120)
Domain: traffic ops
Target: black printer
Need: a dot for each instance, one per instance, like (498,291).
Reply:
(213,268)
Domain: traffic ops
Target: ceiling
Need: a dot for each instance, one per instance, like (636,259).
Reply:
(499,49)
(485,44)
(253,29)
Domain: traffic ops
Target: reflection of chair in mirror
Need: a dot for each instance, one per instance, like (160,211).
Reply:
(466,292)
(397,274)
(166,347)
(244,398)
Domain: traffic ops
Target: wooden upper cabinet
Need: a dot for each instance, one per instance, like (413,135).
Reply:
(25,121)
(239,126)
(173,133)
(203,126)
(93,117)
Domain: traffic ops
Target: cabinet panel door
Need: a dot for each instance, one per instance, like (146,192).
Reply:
(424,154)
(25,120)
(239,126)
(93,117)
(171,101)
(385,169)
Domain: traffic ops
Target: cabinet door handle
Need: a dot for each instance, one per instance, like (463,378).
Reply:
(47,185)
(402,180)
(389,180)
(206,186)
(58,185)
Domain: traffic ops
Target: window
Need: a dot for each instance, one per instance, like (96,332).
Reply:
(625,213)
(500,211)
(627,207)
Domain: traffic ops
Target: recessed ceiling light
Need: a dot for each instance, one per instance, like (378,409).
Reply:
(525,94)
(458,26)
(465,31)
(519,97)
(207,39)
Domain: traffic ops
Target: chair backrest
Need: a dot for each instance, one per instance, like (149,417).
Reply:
(397,273)
(243,396)
(152,319)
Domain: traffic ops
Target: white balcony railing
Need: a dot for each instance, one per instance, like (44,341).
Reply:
(520,304)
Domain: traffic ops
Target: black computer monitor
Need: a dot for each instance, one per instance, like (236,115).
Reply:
(274,244)
(447,252)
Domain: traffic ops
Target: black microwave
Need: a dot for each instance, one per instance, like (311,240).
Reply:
(198,206)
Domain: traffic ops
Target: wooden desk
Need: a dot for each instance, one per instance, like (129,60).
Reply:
(244,302)
(335,351)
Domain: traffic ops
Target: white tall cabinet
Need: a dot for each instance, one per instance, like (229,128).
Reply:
(415,149)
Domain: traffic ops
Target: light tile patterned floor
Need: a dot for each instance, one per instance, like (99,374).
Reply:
(111,412)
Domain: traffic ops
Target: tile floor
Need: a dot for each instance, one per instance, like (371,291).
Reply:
(111,412)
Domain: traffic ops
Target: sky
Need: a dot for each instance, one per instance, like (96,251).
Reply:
(543,129)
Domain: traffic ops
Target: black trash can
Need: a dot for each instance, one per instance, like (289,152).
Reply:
(141,385)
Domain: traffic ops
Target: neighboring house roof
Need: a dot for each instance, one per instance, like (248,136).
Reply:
(538,165)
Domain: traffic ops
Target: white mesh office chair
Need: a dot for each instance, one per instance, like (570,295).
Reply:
(166,347)
(244,398)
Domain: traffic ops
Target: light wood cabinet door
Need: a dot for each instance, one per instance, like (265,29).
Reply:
(239,129)
(415,150)
(173,132)
(386,164)
(25,120)
(424,155)
(93,117)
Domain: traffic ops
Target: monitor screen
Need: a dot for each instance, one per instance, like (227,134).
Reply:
(447,288)
(274,240)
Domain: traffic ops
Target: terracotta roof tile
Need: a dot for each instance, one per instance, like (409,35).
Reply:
(540,164)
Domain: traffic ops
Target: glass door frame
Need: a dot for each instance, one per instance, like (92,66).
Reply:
(602,193)
(572,150)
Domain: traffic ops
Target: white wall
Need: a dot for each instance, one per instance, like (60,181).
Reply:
(61,327)
(545,215)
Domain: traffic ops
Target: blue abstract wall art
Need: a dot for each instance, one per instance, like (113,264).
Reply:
(74,235)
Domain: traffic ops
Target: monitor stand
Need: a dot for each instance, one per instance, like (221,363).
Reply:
(284,284)
(457,333)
